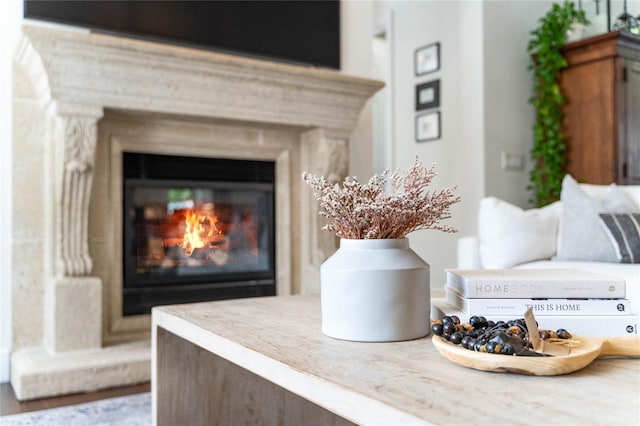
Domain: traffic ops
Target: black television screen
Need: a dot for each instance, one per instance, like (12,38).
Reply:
(305,31)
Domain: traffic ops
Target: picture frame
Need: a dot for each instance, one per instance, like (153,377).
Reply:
(428,127)
(427,59)
(428,95)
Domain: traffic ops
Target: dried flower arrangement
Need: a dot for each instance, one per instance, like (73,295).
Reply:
(367,211)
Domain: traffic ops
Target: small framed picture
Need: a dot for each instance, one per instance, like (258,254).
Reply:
(428,95)
(427,59)
(428,126)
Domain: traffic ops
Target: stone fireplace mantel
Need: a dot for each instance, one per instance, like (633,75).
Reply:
(80,99)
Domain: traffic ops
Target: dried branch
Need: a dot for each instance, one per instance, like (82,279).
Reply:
(356,211)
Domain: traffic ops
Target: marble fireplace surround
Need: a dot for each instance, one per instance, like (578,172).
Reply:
(80,100)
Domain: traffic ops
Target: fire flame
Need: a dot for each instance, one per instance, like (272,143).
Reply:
(198,232)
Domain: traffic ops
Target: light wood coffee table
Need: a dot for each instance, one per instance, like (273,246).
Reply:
(265,361)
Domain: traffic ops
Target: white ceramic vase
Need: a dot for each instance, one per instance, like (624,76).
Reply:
(375,291)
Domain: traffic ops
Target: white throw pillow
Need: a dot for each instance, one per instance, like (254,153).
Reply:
(582,236)
(509,235)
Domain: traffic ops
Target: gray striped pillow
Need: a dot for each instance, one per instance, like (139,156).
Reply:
(624,231)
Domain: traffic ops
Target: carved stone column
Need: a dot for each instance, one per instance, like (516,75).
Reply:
(327,155)
(73,314)
(75,157)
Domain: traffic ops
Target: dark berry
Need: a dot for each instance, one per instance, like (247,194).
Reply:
(563,334)
(447,319)
(471,343)
(465,341)
(478,321)
(456,338)
(475,321)
(437,329)
(448,327)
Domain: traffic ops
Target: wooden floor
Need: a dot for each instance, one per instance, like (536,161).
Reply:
(10,405)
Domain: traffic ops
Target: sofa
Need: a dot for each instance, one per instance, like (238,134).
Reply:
(591,227)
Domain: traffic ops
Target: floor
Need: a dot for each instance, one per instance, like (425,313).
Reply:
(10,405)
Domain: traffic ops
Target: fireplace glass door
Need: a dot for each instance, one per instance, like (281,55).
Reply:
(196,229)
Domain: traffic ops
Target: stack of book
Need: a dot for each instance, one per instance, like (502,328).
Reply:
(584,303)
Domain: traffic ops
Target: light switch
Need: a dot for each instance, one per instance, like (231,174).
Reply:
(512,161)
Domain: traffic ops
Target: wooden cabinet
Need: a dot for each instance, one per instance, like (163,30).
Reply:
(602,114)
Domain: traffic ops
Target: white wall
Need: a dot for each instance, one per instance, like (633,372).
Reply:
(10,19)
(484,87)
(508,116)
(459,154)
(356,29)
(435,21)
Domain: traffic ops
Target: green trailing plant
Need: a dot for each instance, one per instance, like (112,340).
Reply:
(549,150)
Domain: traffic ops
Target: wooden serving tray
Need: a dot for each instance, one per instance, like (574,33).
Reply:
(586,350)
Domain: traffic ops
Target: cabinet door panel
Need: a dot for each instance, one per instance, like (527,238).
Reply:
(632,122)
(589,123)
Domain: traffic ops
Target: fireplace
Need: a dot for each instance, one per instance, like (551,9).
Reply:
(196,229)
(82,103)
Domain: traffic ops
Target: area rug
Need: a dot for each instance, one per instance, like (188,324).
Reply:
(131,410)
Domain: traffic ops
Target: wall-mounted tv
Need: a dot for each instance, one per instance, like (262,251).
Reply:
(305,31)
